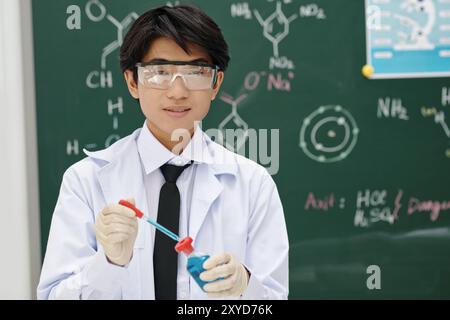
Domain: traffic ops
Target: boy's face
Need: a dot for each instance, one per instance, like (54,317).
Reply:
(156,104)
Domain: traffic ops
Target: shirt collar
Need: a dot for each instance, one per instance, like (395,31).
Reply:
(154,154)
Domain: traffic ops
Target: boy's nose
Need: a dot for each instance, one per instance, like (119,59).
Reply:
(177,89)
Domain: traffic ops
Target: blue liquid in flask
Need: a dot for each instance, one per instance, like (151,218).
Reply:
(195,267)
(195,260)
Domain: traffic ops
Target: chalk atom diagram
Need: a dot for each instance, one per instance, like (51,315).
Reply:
(329,134)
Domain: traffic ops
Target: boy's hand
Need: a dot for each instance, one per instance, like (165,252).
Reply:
(116,229)
(225,266)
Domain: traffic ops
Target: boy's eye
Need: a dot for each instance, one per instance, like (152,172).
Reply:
(200,71)
(162,72)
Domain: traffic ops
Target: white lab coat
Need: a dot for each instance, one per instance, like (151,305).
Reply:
(235,208)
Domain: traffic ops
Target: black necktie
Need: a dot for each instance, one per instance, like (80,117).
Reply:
(165,260)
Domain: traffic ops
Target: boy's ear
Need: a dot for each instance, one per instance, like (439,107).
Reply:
(220,76)
(132,85)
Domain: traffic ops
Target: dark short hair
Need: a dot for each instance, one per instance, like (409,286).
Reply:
(183,24)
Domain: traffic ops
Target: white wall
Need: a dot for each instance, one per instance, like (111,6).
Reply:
(19,208)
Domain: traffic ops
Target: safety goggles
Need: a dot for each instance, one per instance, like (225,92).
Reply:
(161,74)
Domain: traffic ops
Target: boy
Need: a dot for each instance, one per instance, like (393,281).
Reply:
(173,60)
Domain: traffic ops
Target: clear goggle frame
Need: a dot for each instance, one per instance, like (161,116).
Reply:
(162,74)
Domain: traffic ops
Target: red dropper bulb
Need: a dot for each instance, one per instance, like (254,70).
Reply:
(127,204)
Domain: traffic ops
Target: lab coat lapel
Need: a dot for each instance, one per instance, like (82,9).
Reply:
(217,161)
(121,179)
(206,190)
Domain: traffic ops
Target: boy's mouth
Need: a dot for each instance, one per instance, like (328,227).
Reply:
(177,111)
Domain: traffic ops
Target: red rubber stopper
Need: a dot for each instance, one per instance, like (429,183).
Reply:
(185,246)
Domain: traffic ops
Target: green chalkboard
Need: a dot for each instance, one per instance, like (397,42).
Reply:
(362,165)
